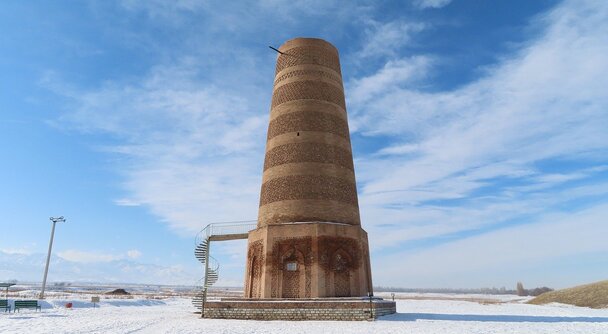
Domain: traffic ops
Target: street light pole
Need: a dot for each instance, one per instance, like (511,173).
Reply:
(48,257)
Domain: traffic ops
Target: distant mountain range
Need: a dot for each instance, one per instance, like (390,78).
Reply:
(30,267)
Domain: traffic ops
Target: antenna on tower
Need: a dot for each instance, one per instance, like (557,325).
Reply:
(277,50)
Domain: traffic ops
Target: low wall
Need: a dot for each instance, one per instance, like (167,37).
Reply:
(299,309)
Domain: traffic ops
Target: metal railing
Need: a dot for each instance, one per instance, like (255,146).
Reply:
(202,249)
(225,229)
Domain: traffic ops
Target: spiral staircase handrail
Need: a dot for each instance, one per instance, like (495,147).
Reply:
(223,231)
(224,228)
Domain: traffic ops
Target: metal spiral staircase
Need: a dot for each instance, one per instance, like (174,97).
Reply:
(215,232)
(212,271)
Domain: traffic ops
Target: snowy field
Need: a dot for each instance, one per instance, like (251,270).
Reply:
(416,313)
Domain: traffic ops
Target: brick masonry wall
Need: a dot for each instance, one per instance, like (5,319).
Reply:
(308,178)
(298,310)
(308,135)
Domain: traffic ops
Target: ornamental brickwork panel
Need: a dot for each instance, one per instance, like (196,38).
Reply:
(255,260)
(309,73)
(290,250)
(309,55)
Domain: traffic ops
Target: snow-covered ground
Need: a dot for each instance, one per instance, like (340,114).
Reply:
(417,313)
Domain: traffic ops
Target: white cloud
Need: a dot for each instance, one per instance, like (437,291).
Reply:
(403,220)
(80,256)
(126,202)
(193,150)
(134,254)
(17,251)
(471,157)
(306,7)
(193,146)
(86,257)
(85,266)
(386,38)
(230,21)
(505,256)
(394,74)
(399,149)
(432,3)
(166,9)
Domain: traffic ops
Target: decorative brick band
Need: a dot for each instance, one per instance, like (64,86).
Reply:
(308,210)
(306,78)
(308,90)
(306,120)
(316,73)
(308,55)
(311,137)
(296,105)
(296,187)
(306,41)
(308,168)
(308,152)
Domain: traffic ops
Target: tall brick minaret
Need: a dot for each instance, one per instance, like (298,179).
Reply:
(309,242)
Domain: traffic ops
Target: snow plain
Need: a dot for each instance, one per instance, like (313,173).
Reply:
(416,313)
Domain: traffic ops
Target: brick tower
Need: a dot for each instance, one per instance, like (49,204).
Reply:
(309,242)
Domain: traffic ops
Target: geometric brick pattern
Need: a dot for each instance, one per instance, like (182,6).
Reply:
(308,152)
(319,74)
(321,56)
(308,120)
(308,90)
(302,187)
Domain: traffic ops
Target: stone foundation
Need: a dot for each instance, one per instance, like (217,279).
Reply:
(348,309)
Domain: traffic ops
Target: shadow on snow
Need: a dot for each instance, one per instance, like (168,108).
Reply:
(487,318)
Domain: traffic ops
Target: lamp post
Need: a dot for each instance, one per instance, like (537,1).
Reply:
(48,257)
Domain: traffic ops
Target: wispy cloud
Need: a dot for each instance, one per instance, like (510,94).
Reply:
(134,254)
(432,3)
(91,266)
(191,150)
(475,156)
(87,257)
(17,251)
(126,202)
(386,38)
(394,75)
(164,9)
(505,256)
(80,256)
(523,142)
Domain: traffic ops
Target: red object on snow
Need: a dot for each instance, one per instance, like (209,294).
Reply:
(68,305)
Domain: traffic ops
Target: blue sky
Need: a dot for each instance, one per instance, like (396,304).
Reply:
(479,133)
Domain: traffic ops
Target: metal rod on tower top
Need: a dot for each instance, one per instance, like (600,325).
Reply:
(48,257)
(277,50)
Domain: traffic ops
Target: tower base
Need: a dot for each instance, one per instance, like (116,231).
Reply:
(350,309)
(308,260)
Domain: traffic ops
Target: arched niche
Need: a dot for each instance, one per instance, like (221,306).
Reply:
(341,265)
(255,273)
(292,277)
